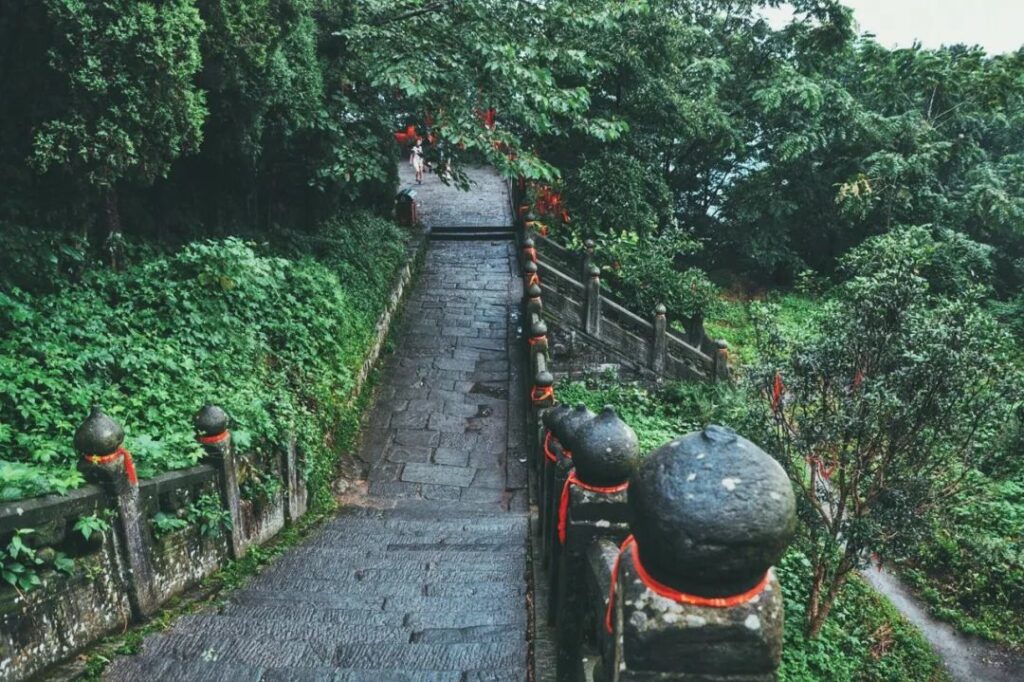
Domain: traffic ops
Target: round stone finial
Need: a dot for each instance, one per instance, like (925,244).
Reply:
(530,268)
(660,310)
(529,243)
(539,328)
(544,379)
(606,450)
(210,420)
(711,513)
(555,415)
(567,429)
(589,245)
(594,271)
(534,291)
(99,434)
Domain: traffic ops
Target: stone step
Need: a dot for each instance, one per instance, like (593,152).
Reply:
(235,650)
(164,669)
(485,541)
(448,510)
(478,616)
(419,573)
(366,557)
(161,669)
(507,523)
(442,657)
(472,234)
(438,588)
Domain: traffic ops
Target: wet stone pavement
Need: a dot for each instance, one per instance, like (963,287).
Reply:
(423,579)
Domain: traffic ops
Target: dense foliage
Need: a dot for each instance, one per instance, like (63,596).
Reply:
(277,341)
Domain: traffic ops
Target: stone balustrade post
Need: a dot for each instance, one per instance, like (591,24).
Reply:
(586,259)
(530,275)
(211,425)
(534,305)
(550,453)
(592,507)
(529,253)
(693,596)
(99,441)
(592,307)
(659,344)
(538,339)
(566,432)
(721,361)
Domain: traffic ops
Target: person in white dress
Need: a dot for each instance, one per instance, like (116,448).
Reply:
(416,159)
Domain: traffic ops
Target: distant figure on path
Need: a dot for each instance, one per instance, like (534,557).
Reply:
(416,159)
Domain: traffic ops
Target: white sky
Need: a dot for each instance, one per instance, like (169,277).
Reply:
(997,25)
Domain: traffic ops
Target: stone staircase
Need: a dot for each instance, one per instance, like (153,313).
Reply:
(425,578)
(415,592)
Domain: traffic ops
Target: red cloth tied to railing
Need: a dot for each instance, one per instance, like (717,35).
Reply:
(120,453)
(563,504)
(548,453)
(671,593)
(541,393)
(531,253)
(215,438)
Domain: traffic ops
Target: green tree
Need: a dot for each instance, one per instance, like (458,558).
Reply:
(880,418)
(130,103)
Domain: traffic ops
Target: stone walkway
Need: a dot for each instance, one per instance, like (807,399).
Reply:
(426,578)
(440,205)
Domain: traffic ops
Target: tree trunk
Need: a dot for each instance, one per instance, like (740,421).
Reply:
(819,606)
(114,235)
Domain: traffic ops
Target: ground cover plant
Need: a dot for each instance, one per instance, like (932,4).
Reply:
(274,335)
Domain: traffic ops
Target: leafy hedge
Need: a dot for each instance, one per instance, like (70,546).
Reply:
(273,334)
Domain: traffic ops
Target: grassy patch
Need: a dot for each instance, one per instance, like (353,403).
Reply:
(730,320)
(970,571)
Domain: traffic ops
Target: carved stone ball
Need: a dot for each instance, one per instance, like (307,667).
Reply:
(540,328)
(98,434)
(534,291)
(568,427)
(711,513)
(555,415)
(530,268)
(529,243)
(606,450)
(210,420)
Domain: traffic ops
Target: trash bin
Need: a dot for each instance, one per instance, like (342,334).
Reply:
(405,207)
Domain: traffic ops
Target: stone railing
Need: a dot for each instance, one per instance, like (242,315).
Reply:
(709,513)
(125,570)
(571,284)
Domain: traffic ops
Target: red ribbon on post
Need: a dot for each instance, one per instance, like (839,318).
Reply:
(548,454)
(673,594)
(216,438)
(563,504)
(541,393)
(129,465)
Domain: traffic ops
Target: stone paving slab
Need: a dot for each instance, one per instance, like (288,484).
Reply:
(427,581)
